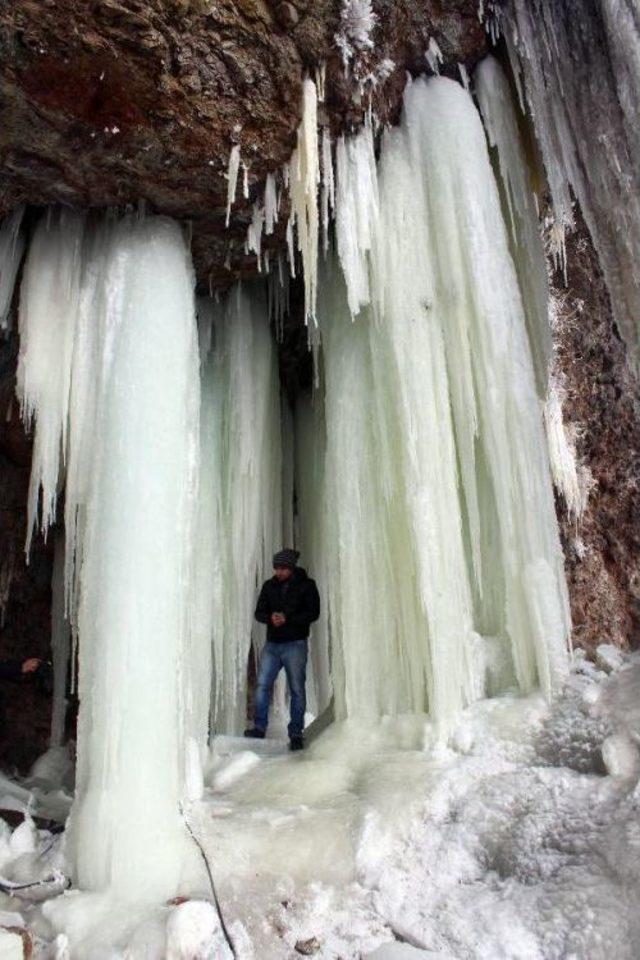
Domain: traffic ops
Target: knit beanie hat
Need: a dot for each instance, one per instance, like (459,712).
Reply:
(286,558)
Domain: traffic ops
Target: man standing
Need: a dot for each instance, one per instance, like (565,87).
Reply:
(288,604)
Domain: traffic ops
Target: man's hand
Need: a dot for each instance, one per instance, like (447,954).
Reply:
(31,665)
(278,619)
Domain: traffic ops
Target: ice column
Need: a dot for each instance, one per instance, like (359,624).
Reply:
(126,833)
(438,537)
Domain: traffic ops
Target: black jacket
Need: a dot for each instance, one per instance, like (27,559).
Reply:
(297,598)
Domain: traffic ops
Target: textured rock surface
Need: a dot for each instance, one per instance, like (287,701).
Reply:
(603,405)
(115,102)
(25,591)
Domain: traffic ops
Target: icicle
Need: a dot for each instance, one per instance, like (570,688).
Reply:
(254,231)
(501,123)
(270,204)
(60,644)
(328,196)
(11,250)
(572,482)
(433,55)
(49,301)
(581,77)
(245,180)
(232,179)
(464,76)
(321,77)
(304,177)
(356,212)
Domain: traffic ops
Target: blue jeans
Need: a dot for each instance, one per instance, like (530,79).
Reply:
(292,655)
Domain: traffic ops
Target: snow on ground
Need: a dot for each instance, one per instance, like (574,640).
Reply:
(518,839)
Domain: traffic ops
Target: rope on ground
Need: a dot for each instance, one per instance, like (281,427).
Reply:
(225,929)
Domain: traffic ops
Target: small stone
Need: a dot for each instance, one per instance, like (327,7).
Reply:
(308,947)
(287,15)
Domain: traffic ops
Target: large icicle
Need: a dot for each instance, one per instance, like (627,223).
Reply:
(501,123)
(356,212)
(304,178)
(581,72)
(49,299)
(126,834)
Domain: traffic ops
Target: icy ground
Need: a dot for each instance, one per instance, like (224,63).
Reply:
(518,840)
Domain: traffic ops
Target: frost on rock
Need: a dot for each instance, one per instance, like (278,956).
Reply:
(357,22)
(581,75)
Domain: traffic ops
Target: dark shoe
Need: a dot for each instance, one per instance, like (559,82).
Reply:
(254,733)
(296,743)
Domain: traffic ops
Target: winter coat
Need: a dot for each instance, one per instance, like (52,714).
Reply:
(297,598)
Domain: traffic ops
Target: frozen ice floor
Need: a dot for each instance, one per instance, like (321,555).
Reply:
(518,839)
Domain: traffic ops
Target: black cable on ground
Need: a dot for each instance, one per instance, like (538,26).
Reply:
(225,930)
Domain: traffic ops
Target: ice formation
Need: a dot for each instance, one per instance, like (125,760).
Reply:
(304,177)
(232,178)
(11,250)
(501,123)
(240,488)
(49,300)
(435,469)
(357,22)
(356,204)
(109,369)
(581,77)
(572,481)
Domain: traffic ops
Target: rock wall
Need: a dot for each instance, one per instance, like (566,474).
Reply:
(602,408)
(118,102)
(25,590)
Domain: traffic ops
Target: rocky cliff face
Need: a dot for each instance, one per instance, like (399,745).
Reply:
(117,102)
(602,409)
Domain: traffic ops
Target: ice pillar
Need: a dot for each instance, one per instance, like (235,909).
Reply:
(126,833)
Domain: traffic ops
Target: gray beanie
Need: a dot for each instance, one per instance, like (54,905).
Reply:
(286,558)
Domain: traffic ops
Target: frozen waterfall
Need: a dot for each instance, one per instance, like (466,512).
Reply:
(417,468)
(439,542)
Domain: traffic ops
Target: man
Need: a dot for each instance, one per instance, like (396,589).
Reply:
(288,604)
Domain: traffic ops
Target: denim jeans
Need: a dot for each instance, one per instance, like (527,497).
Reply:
(292,655)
